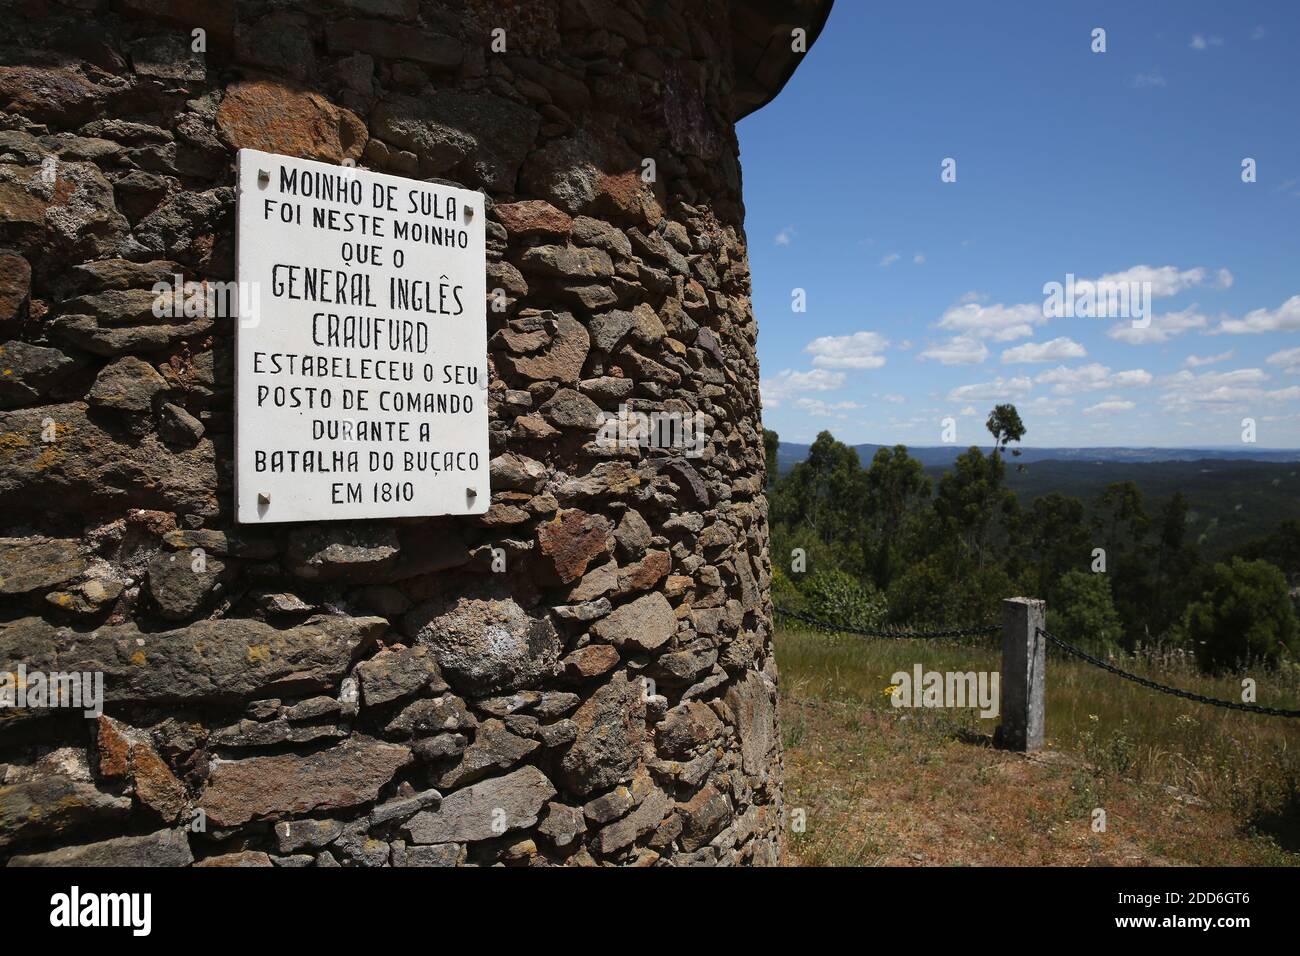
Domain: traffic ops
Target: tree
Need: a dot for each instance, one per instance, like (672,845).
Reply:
(771,442)
(1282,547)
(816,553)
(1122,516)
(895,482)
(826,495)
(1056,538)
(1004,425)
(970,497)
(1177,561)
(1083,611)
(1243,616)
(928,592)
(920,593)
(1122,520)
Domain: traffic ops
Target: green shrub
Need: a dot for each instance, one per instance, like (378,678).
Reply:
(928,594)
(1243,617)
(784,592)
(843,599)
(817,554)
(920,592)
(1084,613)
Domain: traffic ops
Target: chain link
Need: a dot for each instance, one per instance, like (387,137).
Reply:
(904,633)
(1164,688)
(898,632)
(889,632)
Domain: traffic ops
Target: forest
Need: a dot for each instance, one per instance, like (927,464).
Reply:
(1121,570)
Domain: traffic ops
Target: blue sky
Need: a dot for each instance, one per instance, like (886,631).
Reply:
(924,299)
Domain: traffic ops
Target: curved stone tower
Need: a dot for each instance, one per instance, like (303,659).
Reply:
(582,675)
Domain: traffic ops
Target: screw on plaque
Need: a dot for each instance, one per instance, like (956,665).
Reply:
(263,178)
(469,213)
(263,498)
(472,492)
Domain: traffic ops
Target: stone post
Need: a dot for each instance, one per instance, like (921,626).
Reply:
(1024,663)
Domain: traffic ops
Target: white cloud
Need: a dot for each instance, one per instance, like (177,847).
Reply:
(891,397)
(1288,359)
(1162,328)
(1258,33)
(785,236)
(1165,280)
(1108,407)
(1235,377)
(889,260)
(1056,350)
(1046,405)
(959,350)
(1285,318)
(1002,323)
(788,383)
(1154,78)
(1199,361)
(1133,378)
(919,258)
(858,350)
(1000,389)
(1087,378)
(1186,390)
(815,406)
(1201,42)
(968,410)
(1284,394)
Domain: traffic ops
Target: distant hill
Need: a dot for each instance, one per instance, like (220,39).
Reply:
(1234,496)
(1231,501)
(789,454)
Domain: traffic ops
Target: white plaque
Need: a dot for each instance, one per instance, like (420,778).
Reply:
(361,355)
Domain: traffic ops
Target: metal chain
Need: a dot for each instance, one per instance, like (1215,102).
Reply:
(895,632)
(892,632)
(1165,689)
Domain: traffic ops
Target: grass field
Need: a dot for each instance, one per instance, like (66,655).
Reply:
(1180,782)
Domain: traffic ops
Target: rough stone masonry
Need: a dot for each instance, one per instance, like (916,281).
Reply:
(582,676)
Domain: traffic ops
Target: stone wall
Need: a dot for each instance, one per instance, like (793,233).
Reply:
(383,692)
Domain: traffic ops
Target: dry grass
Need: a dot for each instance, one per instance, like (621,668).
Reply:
(1181,783)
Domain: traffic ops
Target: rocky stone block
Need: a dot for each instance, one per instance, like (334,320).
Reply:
(258,788)
(611,729)
(645,624)
(53,808)
(399,672)
(34,564)
(486,642)
(228,659)
(485,810)
(276,118)
(164,848)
